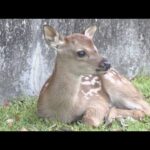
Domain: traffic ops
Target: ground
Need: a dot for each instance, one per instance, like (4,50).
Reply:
(21,116)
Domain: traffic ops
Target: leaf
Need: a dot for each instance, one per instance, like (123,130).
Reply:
(117,129)
(17,117)
(23,129)
(10,122)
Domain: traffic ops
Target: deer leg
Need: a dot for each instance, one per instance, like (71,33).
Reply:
(116,113)
(94,115)
(139,104)
(145,107)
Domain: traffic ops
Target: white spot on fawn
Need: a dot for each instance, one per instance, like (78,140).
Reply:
(93,81)
(85,95)
(86,78)
(90,75)
(93,91)
(86,83)
(90,93)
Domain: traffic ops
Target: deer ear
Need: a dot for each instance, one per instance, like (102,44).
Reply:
(89,32)
(53,38)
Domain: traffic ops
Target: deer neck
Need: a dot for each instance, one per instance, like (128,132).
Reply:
(63,85)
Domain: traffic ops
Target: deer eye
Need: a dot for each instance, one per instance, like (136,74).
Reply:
(81,53)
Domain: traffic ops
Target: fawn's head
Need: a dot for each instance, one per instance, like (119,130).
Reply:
(77,52)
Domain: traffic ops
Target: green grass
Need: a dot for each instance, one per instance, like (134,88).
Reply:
(21,115)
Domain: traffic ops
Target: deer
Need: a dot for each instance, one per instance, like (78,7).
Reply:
(84,86)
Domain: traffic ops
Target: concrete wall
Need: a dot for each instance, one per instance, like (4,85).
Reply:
(26,61)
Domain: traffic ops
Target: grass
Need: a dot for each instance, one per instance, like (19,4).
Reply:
(20,115)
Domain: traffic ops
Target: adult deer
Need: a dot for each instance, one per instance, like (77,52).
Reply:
(84,86)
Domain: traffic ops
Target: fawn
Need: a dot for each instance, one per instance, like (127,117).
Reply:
(84,86)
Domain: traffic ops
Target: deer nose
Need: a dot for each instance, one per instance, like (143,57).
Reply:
(104,64)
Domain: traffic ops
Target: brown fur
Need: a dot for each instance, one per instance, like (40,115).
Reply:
(76,90)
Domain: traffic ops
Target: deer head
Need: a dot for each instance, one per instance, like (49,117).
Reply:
(77,52)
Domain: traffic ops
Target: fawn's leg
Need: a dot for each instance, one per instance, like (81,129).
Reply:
(145,107)
(116,113)
(95,113)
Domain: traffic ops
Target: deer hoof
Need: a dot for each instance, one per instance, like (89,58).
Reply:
(138,114)
(91,121)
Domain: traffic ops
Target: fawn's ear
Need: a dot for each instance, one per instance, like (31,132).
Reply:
(89,32)
(53,38)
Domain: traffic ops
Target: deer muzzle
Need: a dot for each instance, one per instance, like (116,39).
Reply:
(104,65)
